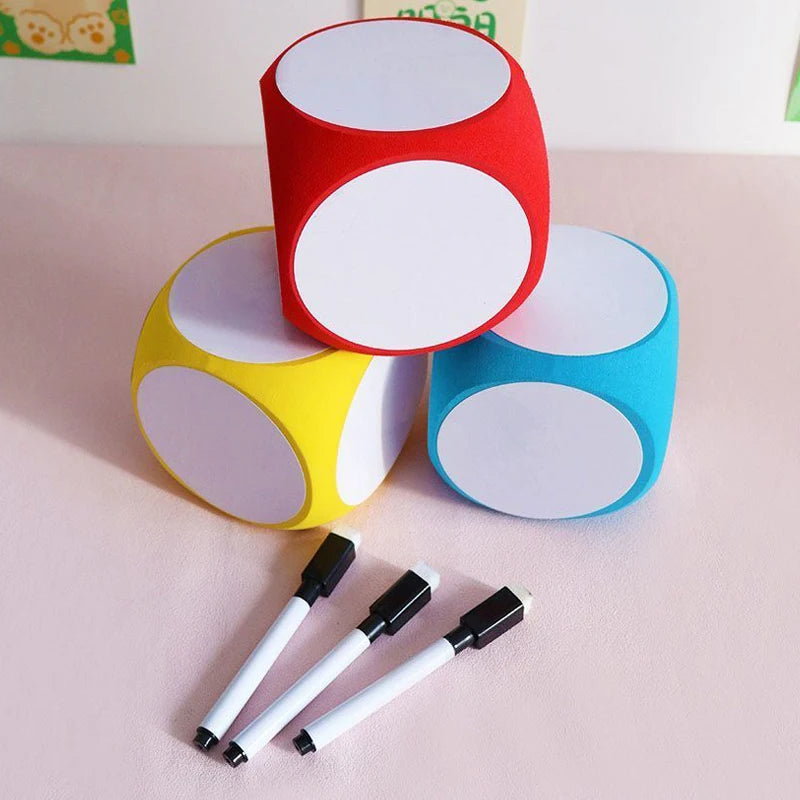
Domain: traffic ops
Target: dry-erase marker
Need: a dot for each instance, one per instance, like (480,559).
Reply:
(390,612)
(324,571)
(480,626)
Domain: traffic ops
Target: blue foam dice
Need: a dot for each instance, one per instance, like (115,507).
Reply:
(564,409)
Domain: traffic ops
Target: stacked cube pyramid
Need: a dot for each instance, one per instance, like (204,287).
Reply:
(280,370)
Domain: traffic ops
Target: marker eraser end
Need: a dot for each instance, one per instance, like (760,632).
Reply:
(349,533)
(428,574)
(525,597)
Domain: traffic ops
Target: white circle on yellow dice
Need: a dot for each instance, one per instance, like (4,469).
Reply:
(393,291)
(368,76)
(539,450)
(377,424)
(221,445)
(227,301)
(597,294)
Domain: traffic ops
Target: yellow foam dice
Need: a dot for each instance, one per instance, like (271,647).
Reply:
(255,417)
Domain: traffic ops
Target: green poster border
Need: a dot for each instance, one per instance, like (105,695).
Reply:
(793,107)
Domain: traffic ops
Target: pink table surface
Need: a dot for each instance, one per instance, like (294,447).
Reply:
(663,657)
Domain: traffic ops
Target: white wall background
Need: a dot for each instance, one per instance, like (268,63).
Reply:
(685,75)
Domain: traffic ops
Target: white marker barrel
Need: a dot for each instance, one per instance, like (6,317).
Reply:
(409,184)
(388,614)
(320,577)
(262,729)
(345,716)
(258,664)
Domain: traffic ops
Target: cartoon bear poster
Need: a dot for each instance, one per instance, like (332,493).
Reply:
(84,30)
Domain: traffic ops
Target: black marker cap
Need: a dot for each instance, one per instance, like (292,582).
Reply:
(333,558)
(204,739)
(400,602)
(234,755)
(490,619)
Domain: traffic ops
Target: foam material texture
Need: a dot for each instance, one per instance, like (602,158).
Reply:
(310,160)
(638,380)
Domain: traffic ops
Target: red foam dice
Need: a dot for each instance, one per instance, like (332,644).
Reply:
(409,181)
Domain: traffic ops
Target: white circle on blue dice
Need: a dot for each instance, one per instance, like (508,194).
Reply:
(539,450)
(597,294)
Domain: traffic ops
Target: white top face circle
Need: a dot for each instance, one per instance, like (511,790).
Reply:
(540,450)
(221,445)
(412,255)
(377,424)
(393,75)
(227,301)
(597,294)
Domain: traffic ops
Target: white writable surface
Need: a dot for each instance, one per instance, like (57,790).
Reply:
(227,301)
(597,294)
(377,424)
(390,75)
(412,255)
(221,445)
(540,450)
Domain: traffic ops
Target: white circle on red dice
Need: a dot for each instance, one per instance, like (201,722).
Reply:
(221,445)
(412,255)
(597,294)
(393,75)
(377,424)
(539,450)
(226,301)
